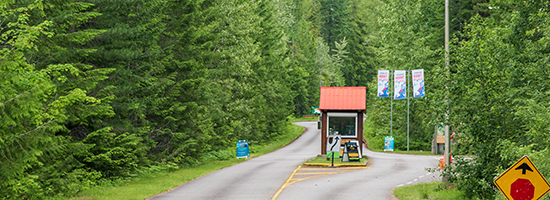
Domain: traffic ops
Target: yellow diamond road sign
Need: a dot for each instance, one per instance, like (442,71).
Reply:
(522,181)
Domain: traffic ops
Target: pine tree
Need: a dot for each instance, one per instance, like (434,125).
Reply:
(36,100)
(228,86)
(305,77)
(361,66)
(183,129)
(271,81)
(336,21)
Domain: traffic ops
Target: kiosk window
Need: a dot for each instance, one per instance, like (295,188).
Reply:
(345,126)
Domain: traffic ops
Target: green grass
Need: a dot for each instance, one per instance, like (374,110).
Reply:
(145,187)
(377,145)
(324,160)
(425,153)
(152,184)
(432,190)
(301,119)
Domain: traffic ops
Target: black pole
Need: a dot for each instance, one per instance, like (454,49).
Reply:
(332,160)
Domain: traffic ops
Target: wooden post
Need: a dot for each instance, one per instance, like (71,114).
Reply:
(434,142)
(324,124)
(360,131)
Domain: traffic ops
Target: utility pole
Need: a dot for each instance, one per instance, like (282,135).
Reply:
(447,132)
(391,96)
(447,37)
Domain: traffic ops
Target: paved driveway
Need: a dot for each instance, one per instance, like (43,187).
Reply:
(264,177)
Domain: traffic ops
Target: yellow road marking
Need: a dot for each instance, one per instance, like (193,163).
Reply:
(292,180)
(314,173)
(286,183)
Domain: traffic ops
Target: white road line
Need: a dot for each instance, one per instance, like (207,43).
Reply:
(421,176)
(399,185)
(415,179)
(409,182)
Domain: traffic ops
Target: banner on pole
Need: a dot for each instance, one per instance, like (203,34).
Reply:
(400,85)
(418,83)
(383,83)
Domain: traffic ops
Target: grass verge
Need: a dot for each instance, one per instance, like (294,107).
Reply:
(292,119)
(323,160)
(431,190)
(376,144)
(152,184)
(425,153)
(145,187)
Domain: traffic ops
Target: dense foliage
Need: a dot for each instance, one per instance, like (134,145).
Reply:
(500,93)
(494,93)
(94,91)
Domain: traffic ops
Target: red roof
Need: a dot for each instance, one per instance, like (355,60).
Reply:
(343,98)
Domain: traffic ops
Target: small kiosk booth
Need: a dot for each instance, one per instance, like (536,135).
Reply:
(342,110)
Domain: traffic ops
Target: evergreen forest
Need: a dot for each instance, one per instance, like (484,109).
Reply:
(99,90)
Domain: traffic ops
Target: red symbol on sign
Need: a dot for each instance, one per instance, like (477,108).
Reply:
(522,189)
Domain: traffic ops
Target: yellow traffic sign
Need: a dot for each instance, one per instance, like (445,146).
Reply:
(522,181)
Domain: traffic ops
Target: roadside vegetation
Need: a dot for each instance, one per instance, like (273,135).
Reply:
(494,93)
(431,190)
(304,119)
(94,93)
(152,182)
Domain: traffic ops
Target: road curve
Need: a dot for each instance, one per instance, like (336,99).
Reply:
(256,179)
(262,177)
(386,172)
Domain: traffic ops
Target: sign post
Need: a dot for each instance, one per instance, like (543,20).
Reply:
(333,146)
(522,181)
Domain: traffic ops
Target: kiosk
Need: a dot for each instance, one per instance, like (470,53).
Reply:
(343,110)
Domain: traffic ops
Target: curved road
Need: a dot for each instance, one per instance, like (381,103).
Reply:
(264,176)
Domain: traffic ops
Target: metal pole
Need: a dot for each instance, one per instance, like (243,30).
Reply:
(332,165)
(447,142)
(447,33)
(408,97)
(391,96)
(447,59)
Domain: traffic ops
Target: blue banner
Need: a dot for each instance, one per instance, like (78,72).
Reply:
(400,85)
(242,149)
(383,83)
(388,143)
(418,83)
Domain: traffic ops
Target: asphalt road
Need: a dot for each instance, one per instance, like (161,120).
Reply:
(385,172)
(255,179)
(264,177)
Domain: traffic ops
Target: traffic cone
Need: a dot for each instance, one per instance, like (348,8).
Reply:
(441,163)
(345,157)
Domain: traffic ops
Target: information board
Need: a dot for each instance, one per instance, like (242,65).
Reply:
(388,143)
(242,149)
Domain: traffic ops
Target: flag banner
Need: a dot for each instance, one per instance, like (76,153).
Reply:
(383,83)
(418,83)
(400,85)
